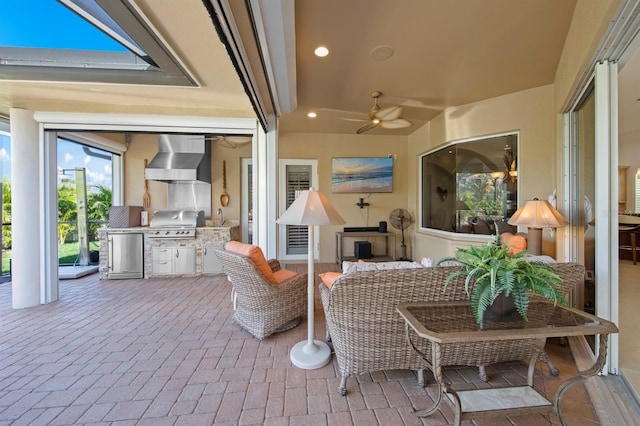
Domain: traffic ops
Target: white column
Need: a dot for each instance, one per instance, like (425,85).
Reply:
(25,209)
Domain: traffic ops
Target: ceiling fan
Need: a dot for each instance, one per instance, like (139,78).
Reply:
(387,118)
(229,141)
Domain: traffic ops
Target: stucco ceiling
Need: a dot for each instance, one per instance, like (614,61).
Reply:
(188,30)
(445,53)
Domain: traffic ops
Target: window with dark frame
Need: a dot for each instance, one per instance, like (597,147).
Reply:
(471,186)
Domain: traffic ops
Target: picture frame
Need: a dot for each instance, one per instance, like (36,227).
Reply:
(361,175)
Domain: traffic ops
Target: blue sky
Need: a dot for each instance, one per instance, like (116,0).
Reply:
(98,170)
(70,156)
(47,23)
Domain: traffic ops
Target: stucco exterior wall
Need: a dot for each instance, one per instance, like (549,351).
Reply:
(324,147)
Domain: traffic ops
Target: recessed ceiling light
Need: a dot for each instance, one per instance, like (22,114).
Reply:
(321,51)
(312,115)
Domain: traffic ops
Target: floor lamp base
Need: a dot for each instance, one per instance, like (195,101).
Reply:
(310,356)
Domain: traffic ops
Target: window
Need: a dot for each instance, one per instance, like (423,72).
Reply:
(85,195)
(5,200)
(298,179)
(471,186)
(84,40)
(295,175)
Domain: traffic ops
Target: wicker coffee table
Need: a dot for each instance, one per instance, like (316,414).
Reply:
(456,340)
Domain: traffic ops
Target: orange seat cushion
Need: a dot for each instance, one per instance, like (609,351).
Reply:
(516,243)
(328,278)
(283,275)
(257,257)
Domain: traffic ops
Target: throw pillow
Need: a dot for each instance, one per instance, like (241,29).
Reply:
(328,278)
(283,275)
(516,243)
(255,254)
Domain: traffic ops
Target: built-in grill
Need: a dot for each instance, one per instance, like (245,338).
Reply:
(175,224)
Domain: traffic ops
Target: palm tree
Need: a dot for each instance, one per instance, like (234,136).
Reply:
(99,201)
(67,210)
(6,213)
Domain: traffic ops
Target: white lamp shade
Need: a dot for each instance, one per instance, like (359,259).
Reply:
(311,208)
(537,214)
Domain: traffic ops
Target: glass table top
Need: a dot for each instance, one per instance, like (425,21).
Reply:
(452,321)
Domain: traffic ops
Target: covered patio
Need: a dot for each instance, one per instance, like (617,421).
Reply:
(166,351)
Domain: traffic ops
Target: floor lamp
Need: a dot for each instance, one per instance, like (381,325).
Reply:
(537,214)
(310,208)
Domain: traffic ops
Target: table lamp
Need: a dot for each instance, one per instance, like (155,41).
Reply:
(310,208)
(537,214)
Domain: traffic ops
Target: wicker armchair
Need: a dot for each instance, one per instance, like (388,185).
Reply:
(260,307)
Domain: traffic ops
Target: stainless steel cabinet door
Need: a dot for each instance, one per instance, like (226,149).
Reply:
(126,256)
(184,260)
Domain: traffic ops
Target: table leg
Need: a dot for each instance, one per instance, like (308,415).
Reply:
(436,368)
(437,374)
(583,375)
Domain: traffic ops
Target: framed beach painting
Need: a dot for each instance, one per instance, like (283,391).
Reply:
(361,174)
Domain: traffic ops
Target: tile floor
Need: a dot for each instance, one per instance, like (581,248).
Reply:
(165,352)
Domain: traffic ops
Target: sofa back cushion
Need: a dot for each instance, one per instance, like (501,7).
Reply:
(348,267)
(432,262)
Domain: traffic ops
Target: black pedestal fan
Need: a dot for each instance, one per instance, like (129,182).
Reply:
(401,219)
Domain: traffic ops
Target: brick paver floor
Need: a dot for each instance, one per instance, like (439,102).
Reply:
(166,352)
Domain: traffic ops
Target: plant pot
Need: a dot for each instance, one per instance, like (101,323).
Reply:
(503,309)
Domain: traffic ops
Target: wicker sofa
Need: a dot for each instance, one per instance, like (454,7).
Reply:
(368,334)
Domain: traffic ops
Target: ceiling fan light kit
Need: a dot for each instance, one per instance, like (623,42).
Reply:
(387,118)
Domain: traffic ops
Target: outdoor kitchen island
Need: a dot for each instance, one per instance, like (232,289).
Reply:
(174,256)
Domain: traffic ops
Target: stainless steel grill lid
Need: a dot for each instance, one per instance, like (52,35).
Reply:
(177,218)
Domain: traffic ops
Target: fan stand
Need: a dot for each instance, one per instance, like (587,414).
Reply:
(403,246)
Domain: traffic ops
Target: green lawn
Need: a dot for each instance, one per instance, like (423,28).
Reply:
(67,254)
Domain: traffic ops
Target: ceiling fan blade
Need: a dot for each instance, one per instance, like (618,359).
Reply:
(352,119)
(398,123)
(419,103)
(227,143)
(366,128)
(238,140)
(389,113)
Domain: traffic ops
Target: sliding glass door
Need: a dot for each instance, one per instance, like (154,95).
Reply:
(590,196)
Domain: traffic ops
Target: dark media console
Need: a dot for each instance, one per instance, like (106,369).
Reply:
(363,249)
(361,229)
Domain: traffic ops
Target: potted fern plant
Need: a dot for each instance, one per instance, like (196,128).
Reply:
(500,278)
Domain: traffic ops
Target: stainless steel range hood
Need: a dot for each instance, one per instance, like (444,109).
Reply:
(181,158)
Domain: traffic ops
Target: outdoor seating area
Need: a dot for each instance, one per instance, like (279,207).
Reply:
(167,351)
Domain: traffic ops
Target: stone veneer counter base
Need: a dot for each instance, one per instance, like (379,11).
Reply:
(214,235)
